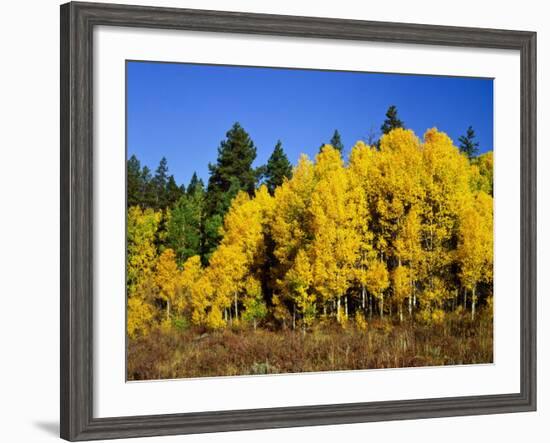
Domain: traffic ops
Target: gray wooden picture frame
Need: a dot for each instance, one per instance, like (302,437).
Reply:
(77,23)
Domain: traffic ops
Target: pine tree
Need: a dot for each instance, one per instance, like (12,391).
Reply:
(232,172)
(160,181)
(392,120)
(233,169)
(194,184)
(134,187)
(468,145)
(336,141)
(173,192)
(277,169)
(148,194)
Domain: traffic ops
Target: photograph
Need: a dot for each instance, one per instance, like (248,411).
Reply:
(298,220)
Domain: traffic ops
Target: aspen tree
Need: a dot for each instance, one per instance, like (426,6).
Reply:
(475,247)
(446,182)
(142,227)
(291,227)
(167,279)
(377,279)
(359,171)
(335,241)
(299,279)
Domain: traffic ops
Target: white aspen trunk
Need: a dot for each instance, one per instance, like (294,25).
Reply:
(400,313)
(474,302)
(225,314)
(338,303)
(464,298)
(167,309)
(346,305)
(254,322)
(382,306)
(236,307)
(324,310)
(363,296)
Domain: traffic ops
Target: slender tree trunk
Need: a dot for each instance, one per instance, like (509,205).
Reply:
(400,313)
(382,306)
(254,322)
(338,303)
(225,314)
(230,314)
(346,305)
(167,309)
(464,298)
(236,307)
(293,316)
(363,296)
(474,297)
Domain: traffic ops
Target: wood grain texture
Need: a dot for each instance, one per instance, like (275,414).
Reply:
(76,304)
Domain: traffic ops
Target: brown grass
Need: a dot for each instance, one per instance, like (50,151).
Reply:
(327,347)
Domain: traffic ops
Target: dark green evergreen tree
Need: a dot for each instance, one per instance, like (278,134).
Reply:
(173,191)
(277,169)
(336,141)
(392,121)
(468,144)
(134,187)
(148,192)
(160,182)
(194,184)
(233,168)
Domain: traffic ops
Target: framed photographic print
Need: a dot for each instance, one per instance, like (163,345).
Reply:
(273,221)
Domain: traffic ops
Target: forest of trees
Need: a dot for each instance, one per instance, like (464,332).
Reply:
(400,231)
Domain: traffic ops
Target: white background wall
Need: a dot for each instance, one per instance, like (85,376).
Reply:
(29,218)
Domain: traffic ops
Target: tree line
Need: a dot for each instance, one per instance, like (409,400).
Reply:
(402,229)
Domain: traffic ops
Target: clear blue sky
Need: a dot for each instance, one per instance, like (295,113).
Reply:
(182,111)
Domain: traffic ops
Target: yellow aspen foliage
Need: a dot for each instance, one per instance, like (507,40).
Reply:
(242,250)
(482,173)
(226,272)
(167,279)
(255,308)
(406,224)
(290,225)
(142,227)
(400,278)
(475,247)
(189,280)
(299,279)
(334,248)
(214,319)
(140,317)
(359,171)
(377,279)
(446,181)
(201,300)
(291,222)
